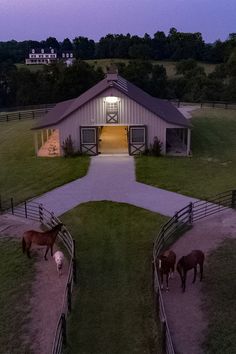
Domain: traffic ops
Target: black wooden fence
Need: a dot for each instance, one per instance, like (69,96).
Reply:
(206,104)
(37,212)
(180,222)
(21,115)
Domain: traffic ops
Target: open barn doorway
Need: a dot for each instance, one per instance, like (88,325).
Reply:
(113,140)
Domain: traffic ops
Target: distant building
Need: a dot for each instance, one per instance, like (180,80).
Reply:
(48,56)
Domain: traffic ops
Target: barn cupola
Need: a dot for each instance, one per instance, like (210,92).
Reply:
(112,74)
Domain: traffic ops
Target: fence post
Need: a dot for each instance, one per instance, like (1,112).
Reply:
(19,116)
(74,265)
(190,213)
(63,324)
(176,217)
(33,114)
(12,206)
(41,213)
(26,214)
(157,303)
(162,234)
(69,296)
(233,199)
(163,336)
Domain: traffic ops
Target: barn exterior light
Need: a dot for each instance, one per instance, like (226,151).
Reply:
(111,99)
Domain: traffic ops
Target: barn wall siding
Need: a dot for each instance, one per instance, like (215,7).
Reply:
(130,113)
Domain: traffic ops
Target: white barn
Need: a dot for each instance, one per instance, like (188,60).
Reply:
(113,117)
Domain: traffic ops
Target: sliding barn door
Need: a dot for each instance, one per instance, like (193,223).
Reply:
(137,139)
(89,140)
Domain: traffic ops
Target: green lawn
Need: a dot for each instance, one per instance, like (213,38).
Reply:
(32,68)
(16,276)
(219,299)
(113,308)
(212,168)
(22,174)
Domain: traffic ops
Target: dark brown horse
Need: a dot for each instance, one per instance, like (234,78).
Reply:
(166,264)
(190,262)
(46,238)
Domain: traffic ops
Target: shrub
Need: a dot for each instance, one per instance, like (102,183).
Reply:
(155,148)
(68,147)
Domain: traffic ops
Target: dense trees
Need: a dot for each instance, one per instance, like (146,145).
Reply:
(174,46)
(58,82)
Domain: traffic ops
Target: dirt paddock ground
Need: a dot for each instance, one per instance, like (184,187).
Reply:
(48,288)
(184,313)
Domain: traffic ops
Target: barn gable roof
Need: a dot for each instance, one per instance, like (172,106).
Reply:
(162,108)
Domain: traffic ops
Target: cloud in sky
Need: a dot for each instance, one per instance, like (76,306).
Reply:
(31,19)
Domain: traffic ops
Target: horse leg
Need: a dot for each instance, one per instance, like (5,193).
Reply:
(167,279)
(161,276)
(201,271)
(184,281)
(51,250)
(195,274)
(28,250)
(45,256)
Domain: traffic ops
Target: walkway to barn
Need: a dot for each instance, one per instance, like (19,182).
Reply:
(112,178)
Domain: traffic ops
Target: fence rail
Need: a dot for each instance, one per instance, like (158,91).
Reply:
(27,108)
(37,212)
(180,222)
(207,104)
(22,115)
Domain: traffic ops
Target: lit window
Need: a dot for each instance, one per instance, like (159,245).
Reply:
(111,109)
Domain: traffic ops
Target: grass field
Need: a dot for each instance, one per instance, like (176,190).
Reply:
(16,275)
(219,300)
(113,309)
(169,65)
(22,174)
(212,168)
(32,68)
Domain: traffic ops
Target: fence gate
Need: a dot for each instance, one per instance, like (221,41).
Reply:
(137,139)
(89,140)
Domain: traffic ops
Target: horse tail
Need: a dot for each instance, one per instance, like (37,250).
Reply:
(23,244)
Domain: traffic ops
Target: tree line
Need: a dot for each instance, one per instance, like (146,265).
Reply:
(173,46)
(57,82)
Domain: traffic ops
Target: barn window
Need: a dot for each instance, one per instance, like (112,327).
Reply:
(138,135)
(88,136)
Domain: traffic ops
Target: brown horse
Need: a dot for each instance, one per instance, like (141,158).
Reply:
(46,238)
(188,262)
(166,265)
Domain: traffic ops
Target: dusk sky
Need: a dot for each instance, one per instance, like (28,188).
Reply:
(39,19)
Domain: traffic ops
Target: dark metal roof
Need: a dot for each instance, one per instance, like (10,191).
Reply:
(162,108)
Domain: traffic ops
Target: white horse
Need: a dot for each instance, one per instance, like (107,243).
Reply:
(59,259)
